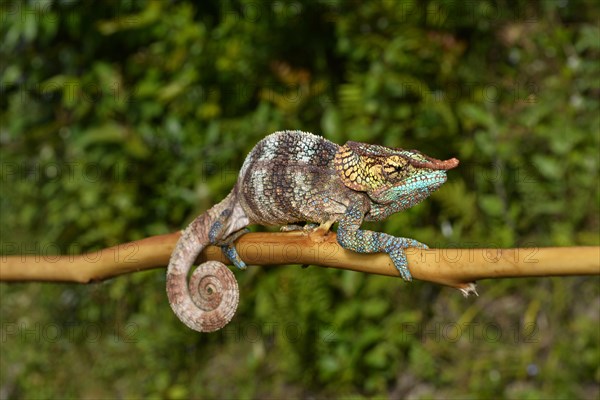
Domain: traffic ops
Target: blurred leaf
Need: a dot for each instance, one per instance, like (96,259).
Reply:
(120,120)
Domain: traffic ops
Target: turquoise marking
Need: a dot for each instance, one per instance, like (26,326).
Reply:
(352,238)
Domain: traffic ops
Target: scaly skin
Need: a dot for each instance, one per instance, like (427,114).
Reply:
(291,177)
(212,297)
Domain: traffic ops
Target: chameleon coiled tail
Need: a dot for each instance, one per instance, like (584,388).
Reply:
(211,298)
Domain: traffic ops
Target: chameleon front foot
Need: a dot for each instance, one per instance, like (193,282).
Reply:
(396,250)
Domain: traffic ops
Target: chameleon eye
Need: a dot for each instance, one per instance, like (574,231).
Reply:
(399,171)
(395,167)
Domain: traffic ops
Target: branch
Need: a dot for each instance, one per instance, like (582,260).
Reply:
(451,267)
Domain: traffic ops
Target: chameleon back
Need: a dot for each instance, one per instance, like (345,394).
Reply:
(289,177)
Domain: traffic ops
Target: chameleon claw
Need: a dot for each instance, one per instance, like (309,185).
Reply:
(404,271)
(291,228)
(414,243)
(398,256)
(309,227)
(226,244)
(234,257)
(406,275)
(232,238)
(396,250)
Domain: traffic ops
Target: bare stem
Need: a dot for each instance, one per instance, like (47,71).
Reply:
(451,267)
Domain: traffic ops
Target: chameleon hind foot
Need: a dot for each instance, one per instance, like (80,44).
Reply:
(294,227)
(229,250)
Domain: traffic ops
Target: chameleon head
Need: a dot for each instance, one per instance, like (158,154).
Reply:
(390,175)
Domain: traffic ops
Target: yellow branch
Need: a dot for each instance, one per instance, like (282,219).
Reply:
(451,267)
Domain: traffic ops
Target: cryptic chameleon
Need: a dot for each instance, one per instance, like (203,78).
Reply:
(291,177)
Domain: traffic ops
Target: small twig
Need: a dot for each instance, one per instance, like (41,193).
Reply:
(451,267)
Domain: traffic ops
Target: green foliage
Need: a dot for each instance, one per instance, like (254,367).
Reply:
(121,120)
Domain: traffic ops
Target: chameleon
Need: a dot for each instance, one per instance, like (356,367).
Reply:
(292,177)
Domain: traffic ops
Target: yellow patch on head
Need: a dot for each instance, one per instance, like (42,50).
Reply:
(359,171)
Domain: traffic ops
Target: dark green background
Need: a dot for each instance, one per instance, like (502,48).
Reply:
(122,120)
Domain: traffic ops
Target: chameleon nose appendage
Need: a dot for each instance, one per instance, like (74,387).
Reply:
(435,164)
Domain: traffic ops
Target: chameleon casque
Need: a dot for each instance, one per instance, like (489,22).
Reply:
(290,177)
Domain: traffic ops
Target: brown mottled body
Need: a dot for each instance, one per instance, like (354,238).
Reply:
(290,177)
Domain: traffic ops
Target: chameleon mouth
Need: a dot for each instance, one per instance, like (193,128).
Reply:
(416,187)
(430,180)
